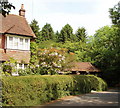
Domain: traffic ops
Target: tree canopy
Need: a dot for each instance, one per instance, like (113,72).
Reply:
(106,53)
(81,34)
(115,14)
(35,27)
(66,34)
(5,7)
(47,32)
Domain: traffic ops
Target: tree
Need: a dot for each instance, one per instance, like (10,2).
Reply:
(57,36)
(34,50)
(106,53)
(35,27)
(115,14)
(81,34)
(66,34)
(5,7)
(47,32)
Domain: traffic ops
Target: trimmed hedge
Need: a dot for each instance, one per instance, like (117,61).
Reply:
(33,90)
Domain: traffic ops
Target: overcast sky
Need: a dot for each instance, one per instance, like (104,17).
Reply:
(91,14)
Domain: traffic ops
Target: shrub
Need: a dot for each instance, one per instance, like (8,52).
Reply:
(8,67)
(53,60)
(38,89)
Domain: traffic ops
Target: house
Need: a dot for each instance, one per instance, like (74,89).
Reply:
(83,68)
(15,38)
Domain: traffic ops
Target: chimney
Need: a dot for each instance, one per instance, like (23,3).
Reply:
(22,11)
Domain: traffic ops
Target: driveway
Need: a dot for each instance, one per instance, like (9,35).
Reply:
(105,98)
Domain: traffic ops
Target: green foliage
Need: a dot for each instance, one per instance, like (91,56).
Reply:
(34,90)
(47,32)
(81,49)
(35,27)
(57,34)
(27,71)
(81,34)
(76,43)
(54,60)
(34,50)
(106,53)
(50,60)
(115,14)
(32,69)
(8,67)
(5,7)
(66,34)
(46,44)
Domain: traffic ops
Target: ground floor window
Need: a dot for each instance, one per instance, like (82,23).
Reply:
(14,68)
(22,66)
(19,66)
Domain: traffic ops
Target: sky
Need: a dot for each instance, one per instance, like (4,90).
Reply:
(91,14)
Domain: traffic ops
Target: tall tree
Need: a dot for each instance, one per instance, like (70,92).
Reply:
(81,34)
(57,36)
(5,7)
(66,34)
(106,53)
(35,27)
(115,14)
(47,32)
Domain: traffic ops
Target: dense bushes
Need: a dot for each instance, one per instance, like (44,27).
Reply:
(33,90)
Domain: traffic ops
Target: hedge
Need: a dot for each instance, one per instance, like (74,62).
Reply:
(34,90)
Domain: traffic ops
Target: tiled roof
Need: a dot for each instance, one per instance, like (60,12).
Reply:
(14,24)
(84,66)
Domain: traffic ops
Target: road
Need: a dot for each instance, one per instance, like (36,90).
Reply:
(104,98)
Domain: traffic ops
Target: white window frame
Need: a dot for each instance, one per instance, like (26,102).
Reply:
(23,66)
(21,44)
(15,42)
(25,46)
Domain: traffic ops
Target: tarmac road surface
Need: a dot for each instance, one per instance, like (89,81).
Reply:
(104,98)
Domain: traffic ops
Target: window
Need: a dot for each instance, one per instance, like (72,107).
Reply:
(15,45)
(20,66)
(26,44)
(26,40)
(21,43)
(25,66)
(10,42)
(18,43)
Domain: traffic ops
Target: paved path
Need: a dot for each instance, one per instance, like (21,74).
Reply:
(105,98)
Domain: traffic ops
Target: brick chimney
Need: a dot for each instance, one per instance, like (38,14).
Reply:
(22,11)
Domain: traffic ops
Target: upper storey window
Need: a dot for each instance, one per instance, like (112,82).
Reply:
(20,43)
(10,42)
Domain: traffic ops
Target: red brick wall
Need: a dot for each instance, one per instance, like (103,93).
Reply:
(2,44)
(2,41)
(16,54)
(19,55)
